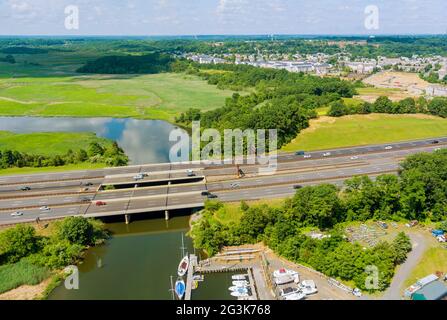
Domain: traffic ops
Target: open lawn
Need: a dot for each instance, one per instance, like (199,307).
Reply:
(70,167)
(160,96)
(357,130)
(433,260)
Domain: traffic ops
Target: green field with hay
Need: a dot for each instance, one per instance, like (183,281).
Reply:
(161,96)
(328,133)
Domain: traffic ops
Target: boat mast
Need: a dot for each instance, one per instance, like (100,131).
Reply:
(183,248)
(172,289)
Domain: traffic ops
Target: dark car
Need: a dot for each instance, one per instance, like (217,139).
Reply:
(212,196)
(88,184)
(435,142)
(25,189)
(205,193)
(296,187)
(300,153)
(85,200)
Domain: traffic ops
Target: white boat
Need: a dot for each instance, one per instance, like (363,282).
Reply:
(239,277)
(234,288)
(183,266)
(240,283)
(283,280)
(295,296)
(240,292)
(284,272)
(308,287)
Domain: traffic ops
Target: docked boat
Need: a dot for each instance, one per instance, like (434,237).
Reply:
(234,288)
(180,289)
(239,277)
(183,266)
(240,293)
(243,283)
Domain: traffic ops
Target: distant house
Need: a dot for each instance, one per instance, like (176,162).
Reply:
(433,291)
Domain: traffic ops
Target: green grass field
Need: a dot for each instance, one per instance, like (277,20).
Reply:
(48,144)
(377,91)
(327,133)
(160,96)
(433,260)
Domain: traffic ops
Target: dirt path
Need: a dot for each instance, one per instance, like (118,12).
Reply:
(26,292)
(419,247)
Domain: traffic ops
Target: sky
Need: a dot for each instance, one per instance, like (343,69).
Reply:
(215,17)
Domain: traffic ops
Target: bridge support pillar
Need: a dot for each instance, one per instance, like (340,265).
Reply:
(166,215)
(127,218)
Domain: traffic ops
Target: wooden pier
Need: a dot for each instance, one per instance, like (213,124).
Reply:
(190,275)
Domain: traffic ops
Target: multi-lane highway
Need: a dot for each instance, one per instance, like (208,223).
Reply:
(166,187)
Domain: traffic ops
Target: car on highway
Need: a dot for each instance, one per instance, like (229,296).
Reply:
(354,158)
(435,142)
(327,154)
(212,196)
(190,173)
(88,184)
(85,200)
(138,177)
(17,214)
(300,153)
(389,148)
(297,187)
(44,208)
(235,185)
(25,189)
(205,193)
(85,189)
(307,156)
(100,203)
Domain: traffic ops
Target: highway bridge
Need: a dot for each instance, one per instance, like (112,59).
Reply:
(168,187)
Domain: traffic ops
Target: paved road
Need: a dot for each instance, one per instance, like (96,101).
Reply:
(62,191)
(394,292)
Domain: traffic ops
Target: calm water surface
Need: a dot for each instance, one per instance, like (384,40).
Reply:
(144,141)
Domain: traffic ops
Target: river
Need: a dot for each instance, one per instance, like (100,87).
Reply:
(139,259)
(144,141)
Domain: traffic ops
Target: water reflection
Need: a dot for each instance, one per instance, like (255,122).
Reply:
(144,141)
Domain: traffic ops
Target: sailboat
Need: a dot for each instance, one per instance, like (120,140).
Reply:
(184,263)
(180,288)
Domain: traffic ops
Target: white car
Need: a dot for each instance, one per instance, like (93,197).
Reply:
(307,156)
(17,214)
(389,148)
(354,158)
(357,292)
(138,177)
(327,154)
(44,208)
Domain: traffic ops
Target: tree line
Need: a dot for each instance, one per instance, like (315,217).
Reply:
(419,192)
(111,155)
(436,106)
